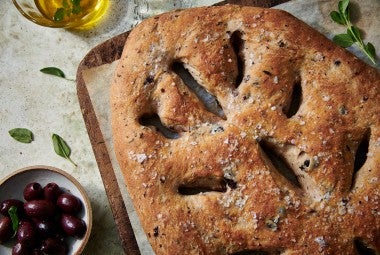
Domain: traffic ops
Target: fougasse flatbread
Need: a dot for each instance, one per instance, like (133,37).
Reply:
(241,130)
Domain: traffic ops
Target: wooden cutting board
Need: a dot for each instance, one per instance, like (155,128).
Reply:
(106,53)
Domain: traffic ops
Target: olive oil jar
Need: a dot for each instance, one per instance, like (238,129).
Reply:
(81,14)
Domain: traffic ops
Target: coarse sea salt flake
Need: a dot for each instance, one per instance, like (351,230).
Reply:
(321,241)
(141,157)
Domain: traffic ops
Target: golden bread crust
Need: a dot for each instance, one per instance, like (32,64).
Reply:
(215,187)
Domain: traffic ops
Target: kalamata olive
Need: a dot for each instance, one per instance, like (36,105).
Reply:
(33,191)
(41,209)
(21,249)
(52,191)
(26,233)
(73,226)
(6,230)
(69,203)
(46,228)
(53,246)
(6,204)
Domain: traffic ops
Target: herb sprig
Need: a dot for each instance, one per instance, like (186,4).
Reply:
(342,17)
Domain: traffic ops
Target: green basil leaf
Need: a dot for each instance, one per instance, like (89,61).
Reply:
(342,5)
(337,17)
(12,211)
(22,135)
(59,15)
(371,50)
(343,40)
(61,147)
(53,71)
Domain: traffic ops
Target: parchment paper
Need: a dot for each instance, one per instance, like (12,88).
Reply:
(315,13)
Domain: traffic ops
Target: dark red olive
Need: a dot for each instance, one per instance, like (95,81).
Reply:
(33,191)
(6,204)
(21,249)
(52,191)
(73,226)
(69,203)
(41,209)
(53,246)
(6,230)
(46,228)
(26,233)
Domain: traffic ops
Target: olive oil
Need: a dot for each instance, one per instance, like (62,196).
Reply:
(80,12)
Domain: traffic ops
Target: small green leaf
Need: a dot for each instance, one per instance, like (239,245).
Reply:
(347,15)
(343,40)
(342,5)
(371,50)
(12,211)
(356,32)
(53,71)
(22,135)
(352,35)
(61,147)
(59,15)
(337,17)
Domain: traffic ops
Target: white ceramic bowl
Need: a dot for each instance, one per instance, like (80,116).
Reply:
(13,185)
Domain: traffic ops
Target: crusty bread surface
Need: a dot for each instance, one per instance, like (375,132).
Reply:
(280,154)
